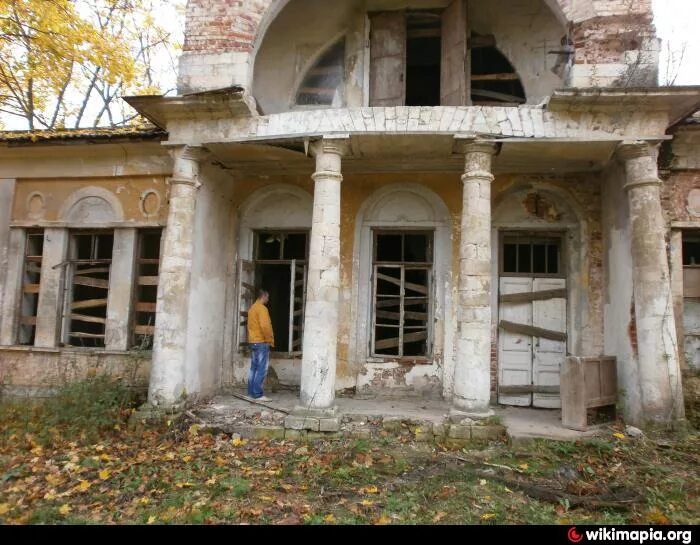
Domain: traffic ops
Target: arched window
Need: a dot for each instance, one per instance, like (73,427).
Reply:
(494,81)
(323,83)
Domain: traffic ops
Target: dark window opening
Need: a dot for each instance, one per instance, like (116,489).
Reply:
(147,278)
(323,83)
(691,251)
(33,252)
(531,256)
(423,58)
(89,268)
(402,294)
(280,269)
(494,81)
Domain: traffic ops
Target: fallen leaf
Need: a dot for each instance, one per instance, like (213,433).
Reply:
(439,516)
(104,474)
(237,441)
(367,503)
(488,516)
(369,490)
(151,519)
(184,485)
(383,520)
(329,518)
(212,480)
(619,435)
(482,482)
(194,430)
(523,467)
(187,459)
(65,509)
(84,486)
(4,508)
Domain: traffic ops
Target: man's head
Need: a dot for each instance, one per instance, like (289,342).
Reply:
(263,296)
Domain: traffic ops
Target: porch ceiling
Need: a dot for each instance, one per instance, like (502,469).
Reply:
(416,153)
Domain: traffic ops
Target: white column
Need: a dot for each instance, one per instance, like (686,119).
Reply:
(472,378)
(121,286)
(12,288)
(49,314)
(657,344)
(167,385)
(323,287)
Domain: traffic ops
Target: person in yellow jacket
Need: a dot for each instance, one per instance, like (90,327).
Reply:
(260,338)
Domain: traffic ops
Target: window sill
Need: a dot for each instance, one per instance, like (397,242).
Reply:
(408,361)
(73,350)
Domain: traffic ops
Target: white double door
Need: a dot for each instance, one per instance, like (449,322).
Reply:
(529,365)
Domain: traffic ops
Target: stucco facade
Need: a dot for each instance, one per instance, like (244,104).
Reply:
(457,245)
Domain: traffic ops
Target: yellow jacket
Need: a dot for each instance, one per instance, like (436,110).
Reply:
(259,325)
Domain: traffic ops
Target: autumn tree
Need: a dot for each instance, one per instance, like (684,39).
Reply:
(61,60)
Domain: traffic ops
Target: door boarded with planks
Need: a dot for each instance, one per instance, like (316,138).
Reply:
(532,338)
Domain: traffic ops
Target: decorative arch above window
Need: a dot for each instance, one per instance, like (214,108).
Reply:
(323,83)
(493,79)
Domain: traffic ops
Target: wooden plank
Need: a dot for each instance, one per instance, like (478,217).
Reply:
(498,96)
(89,303)
(528,297)
(148,280)
(386,314)
(505,76)
(573,404)
(101,270)
(28,320)
(86,335)
(387,59)
(532,331)
(31,288)
(390,279)
(424,33)
(248,287)
(317,91)
(455,61)
(388,303)
(416,287)
(409,338)
(146,307)
(88,319)
(144,330)
(528,389)
(145,261)
(325,70)
(91,282)
(31,267)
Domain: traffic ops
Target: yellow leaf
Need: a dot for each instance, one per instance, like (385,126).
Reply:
(488,516)
(184,485)
(439,516)
(219,461)
(53,479)
(329,518)
(104,474)
(383,520)
(105,457)
(367,503)
(99,448)
(523,467)
(194,430)
(211,481)
(237,441)
(50,495)
(84,486)
(144,501)
(4,508)
(508,490)
(369,490)
(187,459)
(619,435)
(482,482)
(65,509)
(151,519)
(266,498)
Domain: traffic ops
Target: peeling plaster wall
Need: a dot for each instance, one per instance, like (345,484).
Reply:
(353,367)
(620,327)
(525,31)
(38,372)
(208,284)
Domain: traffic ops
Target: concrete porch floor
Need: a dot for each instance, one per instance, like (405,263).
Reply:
(227,412)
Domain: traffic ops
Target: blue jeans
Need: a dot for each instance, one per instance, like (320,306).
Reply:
(259,360)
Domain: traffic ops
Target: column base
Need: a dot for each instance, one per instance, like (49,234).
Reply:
(460,416)
(311,419)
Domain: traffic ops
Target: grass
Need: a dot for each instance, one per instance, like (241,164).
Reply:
(73,459)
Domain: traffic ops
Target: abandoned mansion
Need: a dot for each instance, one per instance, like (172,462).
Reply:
(444,198)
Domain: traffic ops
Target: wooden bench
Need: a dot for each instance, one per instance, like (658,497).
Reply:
(586,383)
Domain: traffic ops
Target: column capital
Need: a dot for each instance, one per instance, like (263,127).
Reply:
(336,145)
(190,153)
(634,149)
(468,143)
(478,155)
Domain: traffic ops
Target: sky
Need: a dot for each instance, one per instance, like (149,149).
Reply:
(678,26)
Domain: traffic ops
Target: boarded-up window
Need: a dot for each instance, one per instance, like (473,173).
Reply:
(146,289)
(33,251)
(691,298)
(89,264)
(323,83)
(494,81)
(402,275)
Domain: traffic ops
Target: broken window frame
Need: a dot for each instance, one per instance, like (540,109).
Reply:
(248,286)
(142,334)
(691,271)
(31,283)
(532,238)
(403,266)
(74,268)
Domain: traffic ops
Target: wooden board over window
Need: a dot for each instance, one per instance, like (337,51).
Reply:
(454,70)
(388,59)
